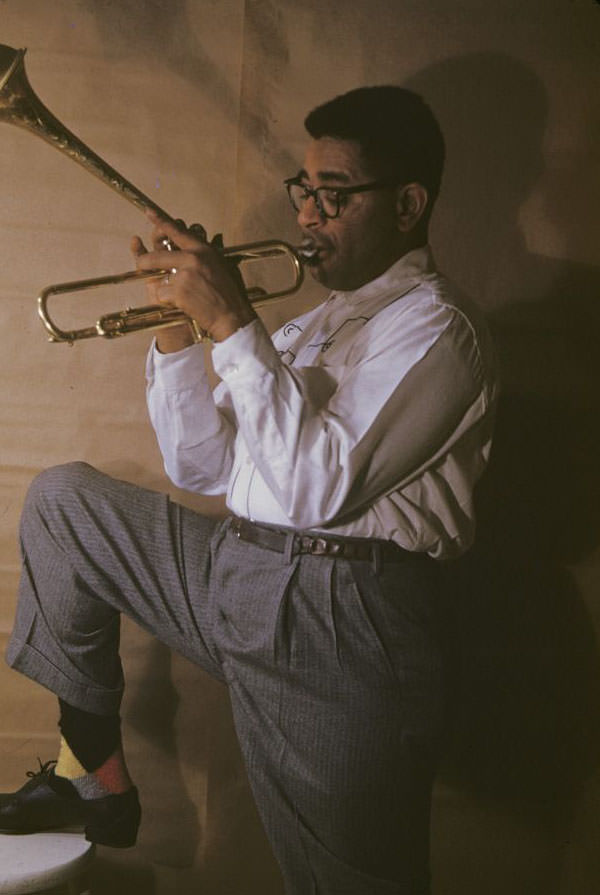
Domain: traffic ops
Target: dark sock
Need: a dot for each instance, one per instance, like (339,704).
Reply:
(91,754)
(91,738)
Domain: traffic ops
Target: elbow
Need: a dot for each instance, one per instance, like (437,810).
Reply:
(183,477)
(317,493)
(189,476)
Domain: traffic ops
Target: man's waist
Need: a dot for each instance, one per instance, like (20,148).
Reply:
(318,543)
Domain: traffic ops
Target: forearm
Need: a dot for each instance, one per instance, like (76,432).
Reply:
(195,437)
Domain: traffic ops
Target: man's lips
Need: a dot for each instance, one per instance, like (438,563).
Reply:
(313,251)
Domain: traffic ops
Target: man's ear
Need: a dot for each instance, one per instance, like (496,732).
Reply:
(411,202)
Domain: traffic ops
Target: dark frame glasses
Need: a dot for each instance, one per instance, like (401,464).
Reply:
(328,199)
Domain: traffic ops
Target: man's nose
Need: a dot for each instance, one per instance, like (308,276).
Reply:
(309,215)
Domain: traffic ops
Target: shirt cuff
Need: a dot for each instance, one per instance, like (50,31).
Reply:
(176,369)
(247,353)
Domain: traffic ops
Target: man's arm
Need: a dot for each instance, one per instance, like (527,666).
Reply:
(327,441)
(196,438)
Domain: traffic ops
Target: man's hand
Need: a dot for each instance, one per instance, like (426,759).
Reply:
(203,284)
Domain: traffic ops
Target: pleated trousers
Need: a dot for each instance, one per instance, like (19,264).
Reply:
(334,668)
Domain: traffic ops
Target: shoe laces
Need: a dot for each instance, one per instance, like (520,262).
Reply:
(44,768)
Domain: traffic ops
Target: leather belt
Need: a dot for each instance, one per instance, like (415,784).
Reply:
(317,544)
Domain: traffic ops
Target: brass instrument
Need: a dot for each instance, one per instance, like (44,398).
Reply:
(20,105)
(130,320)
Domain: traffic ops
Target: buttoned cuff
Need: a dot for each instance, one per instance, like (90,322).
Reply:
(247,353)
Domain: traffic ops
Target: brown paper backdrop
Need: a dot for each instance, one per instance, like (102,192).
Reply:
(200,103)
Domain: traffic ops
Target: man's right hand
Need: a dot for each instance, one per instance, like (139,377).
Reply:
(204,284)
(172,338)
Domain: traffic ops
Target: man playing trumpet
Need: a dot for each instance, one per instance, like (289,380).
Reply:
(348,446)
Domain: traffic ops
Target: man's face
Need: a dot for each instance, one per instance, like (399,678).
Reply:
(364,240)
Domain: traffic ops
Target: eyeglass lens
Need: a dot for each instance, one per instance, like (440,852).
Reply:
(327,199)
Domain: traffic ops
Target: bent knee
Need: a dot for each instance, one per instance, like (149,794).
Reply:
(51,485)
(66,477)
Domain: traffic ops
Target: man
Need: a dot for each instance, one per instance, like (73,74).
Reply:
(348,447)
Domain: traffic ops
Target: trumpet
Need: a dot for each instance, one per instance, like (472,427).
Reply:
(20,105)
(130,320)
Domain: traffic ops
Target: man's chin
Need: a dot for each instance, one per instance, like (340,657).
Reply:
(329,274)
(328,278)
(322,273)
(317,273)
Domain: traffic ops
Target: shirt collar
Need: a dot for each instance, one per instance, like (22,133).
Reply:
(404,274)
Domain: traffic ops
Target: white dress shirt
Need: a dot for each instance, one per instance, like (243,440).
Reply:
(369,416)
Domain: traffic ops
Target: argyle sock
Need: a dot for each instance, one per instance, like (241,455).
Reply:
(91,754)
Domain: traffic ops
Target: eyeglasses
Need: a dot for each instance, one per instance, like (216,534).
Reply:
(330,201)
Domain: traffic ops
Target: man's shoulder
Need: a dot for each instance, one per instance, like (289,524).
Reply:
(435,306)
(437,292)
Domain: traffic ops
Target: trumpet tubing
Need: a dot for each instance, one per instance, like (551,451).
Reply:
(130,320)
(20,106)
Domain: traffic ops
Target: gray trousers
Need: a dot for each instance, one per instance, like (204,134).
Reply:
(333,667)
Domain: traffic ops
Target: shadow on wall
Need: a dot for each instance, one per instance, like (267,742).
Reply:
(162,31)
(528,722)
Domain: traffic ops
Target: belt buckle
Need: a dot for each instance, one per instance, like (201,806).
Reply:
(316,546)
(312,546)
(319,547)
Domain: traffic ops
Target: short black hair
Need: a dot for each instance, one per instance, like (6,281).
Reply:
(398,133)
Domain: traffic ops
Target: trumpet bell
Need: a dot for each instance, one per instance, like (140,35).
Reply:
(19,105)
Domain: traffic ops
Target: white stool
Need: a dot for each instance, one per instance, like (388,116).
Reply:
(39,861)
